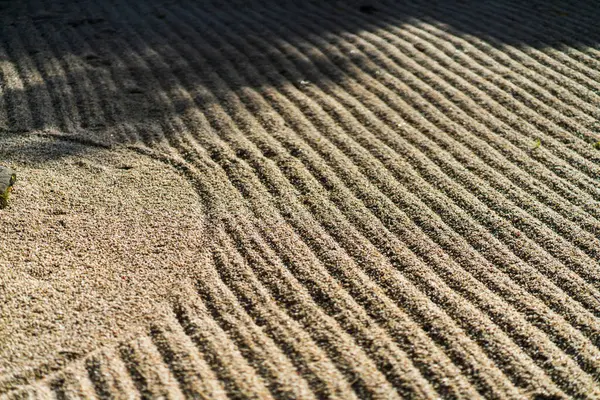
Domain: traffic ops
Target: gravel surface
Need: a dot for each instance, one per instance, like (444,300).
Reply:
(300,199)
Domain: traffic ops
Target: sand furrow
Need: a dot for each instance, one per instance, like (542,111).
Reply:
(554,59)
(150,376)
(239,174)
(530,95)
(268,360)
(36,87)
(93,89)
(76,79)
(94,66)
(238,378)
(51,72)
(554,86)
(193,374)
(229,166)
(395,365)
(576,33)
(533,111)
(353,370)
(417,78)
(593,246)
(332,186)
(334,306)
(311,360)
(300,128)
(120,60)
(109,376)
(489,19)
(572,63)
(363,133)
(18,116)
(72,385)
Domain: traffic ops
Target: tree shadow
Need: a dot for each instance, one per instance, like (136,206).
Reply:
(116,71)
(110,72)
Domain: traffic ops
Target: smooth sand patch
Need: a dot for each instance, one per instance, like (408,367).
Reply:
(91,244)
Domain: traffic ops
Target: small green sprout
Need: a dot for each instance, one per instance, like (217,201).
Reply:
(8,177)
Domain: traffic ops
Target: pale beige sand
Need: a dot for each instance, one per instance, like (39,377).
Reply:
(295,200)
(92,243)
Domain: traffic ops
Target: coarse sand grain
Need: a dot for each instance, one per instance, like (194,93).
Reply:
(260,199)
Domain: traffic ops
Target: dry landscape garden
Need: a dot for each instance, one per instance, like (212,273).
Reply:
(301,199)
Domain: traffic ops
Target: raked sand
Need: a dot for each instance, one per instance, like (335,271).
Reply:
(301,199)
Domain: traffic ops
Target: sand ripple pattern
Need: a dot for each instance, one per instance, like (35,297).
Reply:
(404,197)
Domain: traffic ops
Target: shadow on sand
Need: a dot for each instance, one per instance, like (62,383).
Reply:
(116,71)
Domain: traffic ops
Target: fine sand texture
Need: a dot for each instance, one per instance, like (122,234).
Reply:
(300,199)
